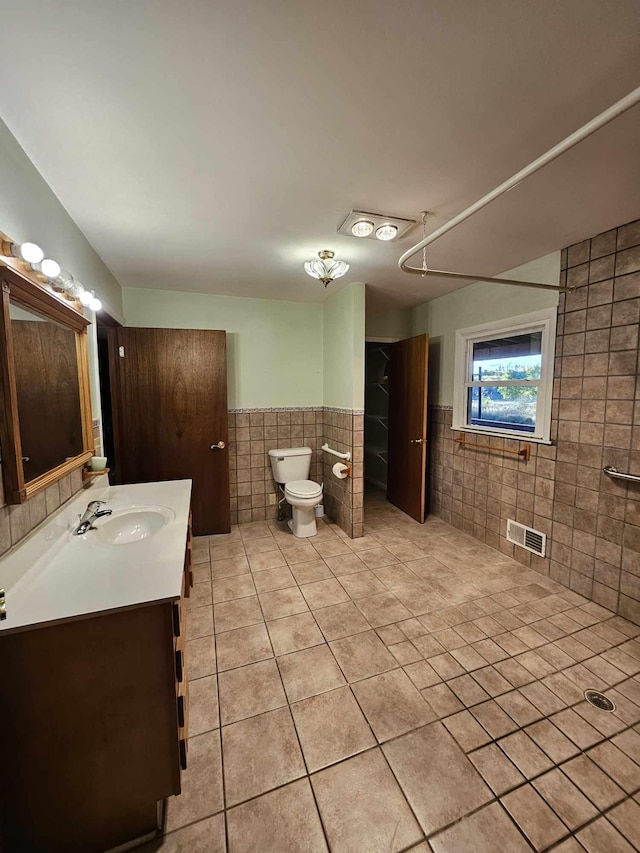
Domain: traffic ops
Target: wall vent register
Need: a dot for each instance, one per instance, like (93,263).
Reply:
(526,537)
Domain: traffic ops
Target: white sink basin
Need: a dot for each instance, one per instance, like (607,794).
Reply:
(130,525)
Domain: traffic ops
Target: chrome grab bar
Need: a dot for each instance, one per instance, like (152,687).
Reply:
(610,471)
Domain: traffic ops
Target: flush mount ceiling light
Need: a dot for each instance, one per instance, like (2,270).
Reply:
(326,269)
(375,226)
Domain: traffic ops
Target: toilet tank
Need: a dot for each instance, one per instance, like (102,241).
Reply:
(290,463)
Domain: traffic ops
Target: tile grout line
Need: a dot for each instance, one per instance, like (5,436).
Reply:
(444,681)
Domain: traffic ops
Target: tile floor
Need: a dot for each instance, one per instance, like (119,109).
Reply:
(410,690)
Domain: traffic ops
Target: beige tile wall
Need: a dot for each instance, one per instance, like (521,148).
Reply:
(97,440)
(252,433)
(592,521)
(343,499)
(18,521)
(477,490)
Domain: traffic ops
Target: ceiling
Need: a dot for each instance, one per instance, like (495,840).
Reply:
(216,146)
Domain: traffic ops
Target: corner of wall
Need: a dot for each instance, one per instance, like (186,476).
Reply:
(343,347)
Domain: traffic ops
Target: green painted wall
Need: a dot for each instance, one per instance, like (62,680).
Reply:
(386,319)
(274,348)
(29,210)
(478,303)
(343,360)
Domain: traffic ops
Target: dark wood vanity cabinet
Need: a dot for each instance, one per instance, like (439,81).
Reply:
(94,726)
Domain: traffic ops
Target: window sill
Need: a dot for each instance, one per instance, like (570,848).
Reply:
(494,433)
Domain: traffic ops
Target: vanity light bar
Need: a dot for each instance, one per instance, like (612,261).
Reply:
(32,256)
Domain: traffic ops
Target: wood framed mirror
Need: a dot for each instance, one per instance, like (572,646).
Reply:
(45,403)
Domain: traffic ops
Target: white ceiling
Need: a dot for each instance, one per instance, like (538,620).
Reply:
(215,145)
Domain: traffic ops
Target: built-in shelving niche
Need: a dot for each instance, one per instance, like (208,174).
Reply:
(376,419)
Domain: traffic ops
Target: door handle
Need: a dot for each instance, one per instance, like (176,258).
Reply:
(418,441)
(219,446)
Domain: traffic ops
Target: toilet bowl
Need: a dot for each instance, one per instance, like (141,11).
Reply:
(291,466)
(304,496)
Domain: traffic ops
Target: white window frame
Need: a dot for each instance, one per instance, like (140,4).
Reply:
(537,321)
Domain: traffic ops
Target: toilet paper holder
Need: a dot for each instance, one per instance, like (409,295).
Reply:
(342,470)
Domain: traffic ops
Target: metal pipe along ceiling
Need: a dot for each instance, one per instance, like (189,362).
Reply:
(586,130)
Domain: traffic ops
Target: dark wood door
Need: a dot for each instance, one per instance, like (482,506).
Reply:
(169,399)
(406,476)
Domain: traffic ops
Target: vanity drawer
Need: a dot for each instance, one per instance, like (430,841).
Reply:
(181,670)
(188,562)
(188,574)
(183,708)
(178,619)
(179,650)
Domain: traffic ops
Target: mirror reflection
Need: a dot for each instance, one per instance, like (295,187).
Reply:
(46,370)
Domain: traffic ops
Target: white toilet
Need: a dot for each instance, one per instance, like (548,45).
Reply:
(290,466)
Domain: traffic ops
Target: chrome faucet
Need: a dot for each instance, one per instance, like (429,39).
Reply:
(90,514)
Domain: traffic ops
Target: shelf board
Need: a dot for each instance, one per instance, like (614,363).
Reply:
(88,474)
(378,350)
(380,452)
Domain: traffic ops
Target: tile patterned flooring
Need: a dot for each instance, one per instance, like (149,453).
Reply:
(410,690)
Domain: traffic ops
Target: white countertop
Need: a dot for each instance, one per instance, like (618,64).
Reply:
(53,575)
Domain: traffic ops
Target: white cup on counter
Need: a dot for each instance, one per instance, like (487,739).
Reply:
(98,463)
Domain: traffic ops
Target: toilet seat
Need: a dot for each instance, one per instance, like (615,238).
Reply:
(306,489)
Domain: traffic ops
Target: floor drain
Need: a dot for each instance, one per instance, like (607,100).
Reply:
(599,700)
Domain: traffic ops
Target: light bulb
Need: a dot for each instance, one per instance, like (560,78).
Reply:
(50,268)
(95,304)
(85,297)
(362,228)
(76,290)
(30,253)
(64,280)
(386,232)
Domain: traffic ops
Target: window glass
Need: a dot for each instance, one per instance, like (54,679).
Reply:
(511,407)
(503,359)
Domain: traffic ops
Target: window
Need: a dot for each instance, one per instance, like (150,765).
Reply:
(504,377)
